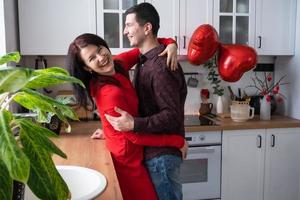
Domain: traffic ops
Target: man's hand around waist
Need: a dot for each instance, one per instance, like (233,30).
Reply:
(125,122)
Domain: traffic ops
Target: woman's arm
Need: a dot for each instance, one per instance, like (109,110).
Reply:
(131,57)
(111,97)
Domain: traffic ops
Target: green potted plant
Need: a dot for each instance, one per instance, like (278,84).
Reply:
(25,145)
(213,77)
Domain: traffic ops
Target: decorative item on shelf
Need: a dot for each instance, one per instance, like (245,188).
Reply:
(205,107)
(268,90)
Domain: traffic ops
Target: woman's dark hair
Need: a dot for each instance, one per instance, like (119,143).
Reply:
(76,65)
(145,13)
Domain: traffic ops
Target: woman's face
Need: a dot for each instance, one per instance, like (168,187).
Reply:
(98,59)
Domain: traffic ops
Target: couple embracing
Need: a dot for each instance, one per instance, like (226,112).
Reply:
(143,124)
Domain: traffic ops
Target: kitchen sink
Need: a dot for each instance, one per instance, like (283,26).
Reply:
(84,183)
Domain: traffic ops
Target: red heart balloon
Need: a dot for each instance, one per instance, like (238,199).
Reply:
(203,44)
(234,60)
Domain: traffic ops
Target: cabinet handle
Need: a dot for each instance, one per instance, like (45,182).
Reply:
(184,40)
(259,42)
(272,140)
(258,141)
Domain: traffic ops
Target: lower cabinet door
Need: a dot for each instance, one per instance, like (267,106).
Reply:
(243,164)
(282,166)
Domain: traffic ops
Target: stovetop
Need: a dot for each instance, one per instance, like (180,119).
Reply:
(200,120)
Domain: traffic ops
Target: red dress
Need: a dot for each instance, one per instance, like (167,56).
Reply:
(127,147)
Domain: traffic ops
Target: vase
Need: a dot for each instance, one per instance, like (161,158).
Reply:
(265,108)
(220,105)
(255,102)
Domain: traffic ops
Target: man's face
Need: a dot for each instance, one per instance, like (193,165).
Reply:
(134,32)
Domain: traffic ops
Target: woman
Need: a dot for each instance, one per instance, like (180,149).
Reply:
(107,81)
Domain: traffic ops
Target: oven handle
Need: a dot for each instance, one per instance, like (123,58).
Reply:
(197,150)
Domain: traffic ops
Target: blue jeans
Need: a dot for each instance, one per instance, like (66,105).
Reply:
(164,171)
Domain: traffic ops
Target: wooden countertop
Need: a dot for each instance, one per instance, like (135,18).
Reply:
(86,152)
(255,123)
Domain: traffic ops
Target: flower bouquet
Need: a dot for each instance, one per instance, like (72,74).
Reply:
(269,93)
(267,87)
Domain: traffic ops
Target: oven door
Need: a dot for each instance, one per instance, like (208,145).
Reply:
(201,173)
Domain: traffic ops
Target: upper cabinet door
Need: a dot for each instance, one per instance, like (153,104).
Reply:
(193,13)
(169,18)
(235,21)
(179,19)
(48,27)
(110,23)
(275,27)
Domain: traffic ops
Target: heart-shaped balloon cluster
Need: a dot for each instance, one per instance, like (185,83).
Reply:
(233,59)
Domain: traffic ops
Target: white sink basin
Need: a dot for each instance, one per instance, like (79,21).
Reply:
(84,183)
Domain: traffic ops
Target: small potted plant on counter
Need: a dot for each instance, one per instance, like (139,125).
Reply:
(25,147)
(215,81)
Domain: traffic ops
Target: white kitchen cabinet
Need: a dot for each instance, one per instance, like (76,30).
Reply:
(261,164)
(243,164)
(180,18)
(235,21)
(48,27)
(282,164)
(110,23)
(275,27)
(266,25)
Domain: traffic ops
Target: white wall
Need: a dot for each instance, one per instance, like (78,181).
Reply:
(11,25)
(291,67)
(2,27)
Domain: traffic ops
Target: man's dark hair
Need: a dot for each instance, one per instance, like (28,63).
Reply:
(145,13)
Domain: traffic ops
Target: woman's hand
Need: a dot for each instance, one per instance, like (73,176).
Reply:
(171,51)
(184,149)
(98,134)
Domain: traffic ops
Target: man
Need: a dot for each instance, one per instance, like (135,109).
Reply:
(162,93)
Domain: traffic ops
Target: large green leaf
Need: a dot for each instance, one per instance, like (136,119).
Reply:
(39,136)
(10,57)
(13,79)
(51,76)
(33,100)
(44,180)
(52,70)
(15,160)
(6,183)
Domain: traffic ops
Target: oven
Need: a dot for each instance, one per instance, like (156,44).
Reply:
(201,170)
